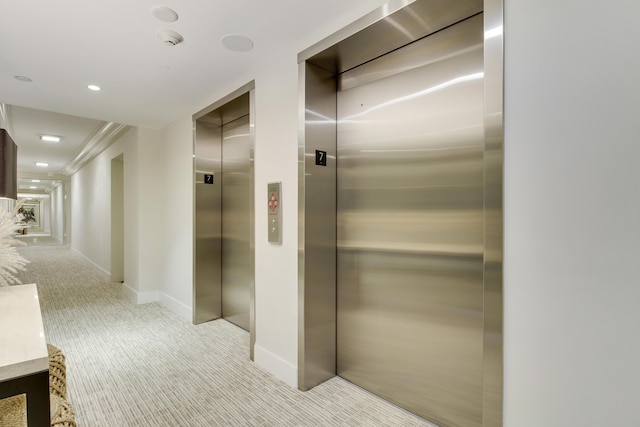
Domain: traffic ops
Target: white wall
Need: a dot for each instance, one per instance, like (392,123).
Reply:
(57,213)
(166,225)
(276,269)
(572,213)
(151,225)
(45,214)
(91,212)
(158,213)
(91,208)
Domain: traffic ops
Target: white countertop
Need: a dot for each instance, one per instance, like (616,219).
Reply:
(23,348)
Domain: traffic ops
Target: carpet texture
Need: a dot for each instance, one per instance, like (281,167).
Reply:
(142,365)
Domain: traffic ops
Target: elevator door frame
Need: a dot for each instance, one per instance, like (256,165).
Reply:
(200,313)
(366,39)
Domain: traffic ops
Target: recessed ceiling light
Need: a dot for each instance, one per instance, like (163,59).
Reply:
(33,187)
(23,79)
(50,138)
(164,13)
(237,43)
(35,180)
(42,164)
(94,87)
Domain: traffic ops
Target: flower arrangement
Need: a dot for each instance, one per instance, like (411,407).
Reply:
(11,262)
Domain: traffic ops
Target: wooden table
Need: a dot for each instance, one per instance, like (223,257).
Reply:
(24,361)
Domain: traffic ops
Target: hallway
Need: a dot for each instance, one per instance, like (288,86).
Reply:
(142,365)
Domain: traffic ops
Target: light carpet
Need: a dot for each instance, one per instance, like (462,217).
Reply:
(142,365)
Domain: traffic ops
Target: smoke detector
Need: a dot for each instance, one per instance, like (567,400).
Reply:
(170,38)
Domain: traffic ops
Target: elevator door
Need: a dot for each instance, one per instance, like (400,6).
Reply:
(410,225)
(236,276)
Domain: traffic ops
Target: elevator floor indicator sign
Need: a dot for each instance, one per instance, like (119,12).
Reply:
(273,203)
(321,158)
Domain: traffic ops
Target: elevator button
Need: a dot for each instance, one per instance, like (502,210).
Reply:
(274,212)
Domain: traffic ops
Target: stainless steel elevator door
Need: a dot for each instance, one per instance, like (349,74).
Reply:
(207,292)
(236,274)
(410,225)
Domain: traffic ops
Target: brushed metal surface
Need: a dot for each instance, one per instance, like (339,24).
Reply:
(390,27)
(493,205)
(236,279)
(333,42)
(317,233)
(337,53)
(410,226)
(252,233)
(207,292)
(274,216)
(224,275)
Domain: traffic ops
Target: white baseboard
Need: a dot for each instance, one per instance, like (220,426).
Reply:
(140,297)
(274,364)
(176,306)
(147,297)
(168,301)
(108,273)
(130,293)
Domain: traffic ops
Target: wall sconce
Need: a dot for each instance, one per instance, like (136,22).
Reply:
(8,166)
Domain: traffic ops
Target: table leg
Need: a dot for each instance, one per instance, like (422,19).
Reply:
(36,387)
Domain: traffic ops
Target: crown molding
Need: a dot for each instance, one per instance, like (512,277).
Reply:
(96,143)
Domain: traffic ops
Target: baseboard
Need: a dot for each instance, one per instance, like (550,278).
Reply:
(274,364)
(108,273)
(140,297)
(130,293)
(176,306)
(168,301)
(147,297)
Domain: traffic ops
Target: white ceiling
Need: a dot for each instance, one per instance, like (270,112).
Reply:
(63,46)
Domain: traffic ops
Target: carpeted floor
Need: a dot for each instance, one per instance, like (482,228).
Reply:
(142,365)
(38,240)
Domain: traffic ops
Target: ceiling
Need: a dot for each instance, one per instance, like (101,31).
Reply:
(62,47)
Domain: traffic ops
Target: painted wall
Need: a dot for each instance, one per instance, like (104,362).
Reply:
(166,215)
(57,213)
(572,210)
(150,226)
(91,212)
(276,160)
(158,224)
(46,214)
(90,190)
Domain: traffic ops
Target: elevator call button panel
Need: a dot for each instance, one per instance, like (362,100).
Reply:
(274,203)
